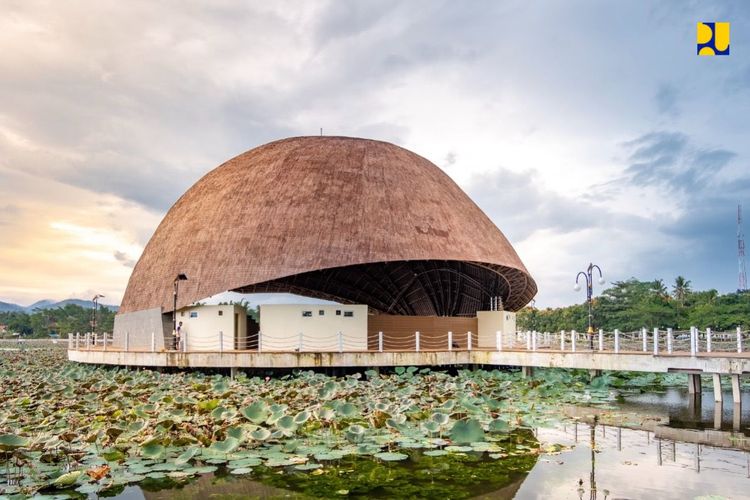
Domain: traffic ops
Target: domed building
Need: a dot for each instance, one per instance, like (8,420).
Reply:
(349,220)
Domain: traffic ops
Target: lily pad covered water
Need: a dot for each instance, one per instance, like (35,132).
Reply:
(66,427)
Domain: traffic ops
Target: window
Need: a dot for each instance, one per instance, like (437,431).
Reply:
(221,313)
(348,314)
(194,314)
(321,312)
(182,313)
(338,312)
(307,314)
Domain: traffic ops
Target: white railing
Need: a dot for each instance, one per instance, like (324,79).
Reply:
(657,342)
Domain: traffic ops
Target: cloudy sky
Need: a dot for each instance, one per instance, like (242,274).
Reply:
(586,130)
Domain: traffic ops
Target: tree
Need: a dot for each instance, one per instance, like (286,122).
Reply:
(681,289)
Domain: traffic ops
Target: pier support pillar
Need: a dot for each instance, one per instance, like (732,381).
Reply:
(233,372)
(736,395)
(718,415)
(527,371)
(594,373)
(717,388)
(737,417)
(694,383)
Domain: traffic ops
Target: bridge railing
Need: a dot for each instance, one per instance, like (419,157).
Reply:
(657,342)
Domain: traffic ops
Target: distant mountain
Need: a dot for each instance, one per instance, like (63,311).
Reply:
(8,307)
(40,304)
(51,304)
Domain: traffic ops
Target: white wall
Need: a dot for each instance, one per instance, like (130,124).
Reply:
(281,325)
(490,322)
(202,329)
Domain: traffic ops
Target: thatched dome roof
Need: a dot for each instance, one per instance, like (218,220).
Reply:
(340,218)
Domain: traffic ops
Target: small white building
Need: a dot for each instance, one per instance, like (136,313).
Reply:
(313,327)
(213,327)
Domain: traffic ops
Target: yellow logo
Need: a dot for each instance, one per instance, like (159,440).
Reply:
(713,39)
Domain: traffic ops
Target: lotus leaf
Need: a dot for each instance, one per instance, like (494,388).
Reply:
(236,432)
(245,462)
(67,480)
(311,466)
(301,417)
(226,446)
(186,456)
(328,390)
(388,456)
(355,433)
(260,434)
(287,425)
(241,470)
(330,455)
(152,450)
(256,412)
(466,431)
(458,449)
(432,427)
(326,413)
(208,405)
(9,442)
(499,425)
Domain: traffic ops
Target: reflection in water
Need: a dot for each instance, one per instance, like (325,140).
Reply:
(695,411)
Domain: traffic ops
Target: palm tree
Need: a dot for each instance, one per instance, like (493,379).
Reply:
(659,289)
(681,289)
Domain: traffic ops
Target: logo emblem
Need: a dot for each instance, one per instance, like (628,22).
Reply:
(713,39)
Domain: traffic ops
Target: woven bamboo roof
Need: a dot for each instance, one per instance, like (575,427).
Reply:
(353,220)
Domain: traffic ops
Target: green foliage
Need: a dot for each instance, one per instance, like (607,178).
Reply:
(632,304)
(71,318)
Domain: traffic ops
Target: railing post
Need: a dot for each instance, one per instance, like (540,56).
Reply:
(380,341)
(468,343)
(221,341)
(617,341)
(416,341)
(127,340)
(528,340)
(341,342)
(708,340)
(739,339)
(260,341)
(450,341)
(562,340)
(153,341)
(533,340)
(299,347)
(95,340)
(644,335)
(573,338)
(78,340)
(656,341)
(669,340)
(88,341)
(693,336)
(499,340)
(184,340)
(601,339)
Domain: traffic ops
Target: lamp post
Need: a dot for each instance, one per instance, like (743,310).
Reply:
(589,292)
(178,278)
(96,309)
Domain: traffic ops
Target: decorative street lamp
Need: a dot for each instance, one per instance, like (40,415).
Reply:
(96,308)
(589,292)
(178,278)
